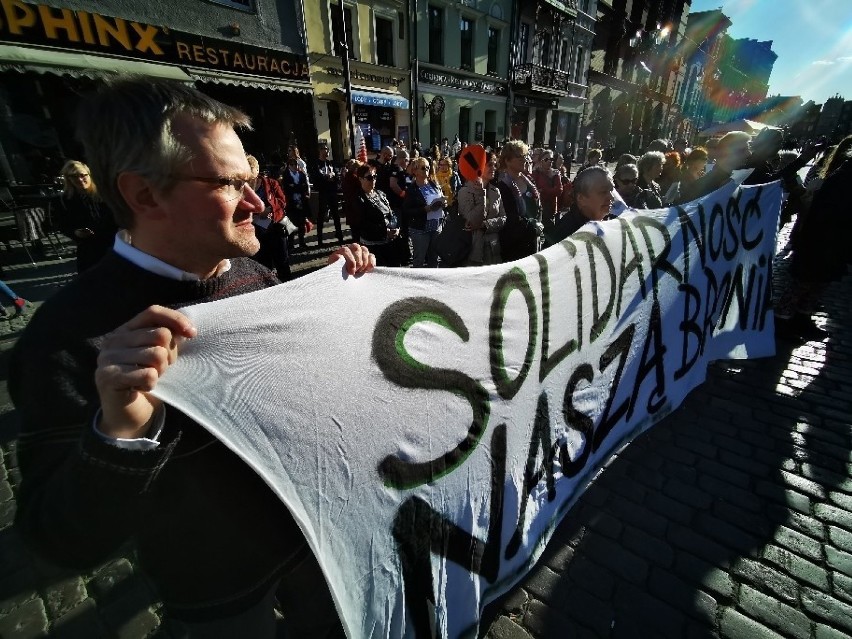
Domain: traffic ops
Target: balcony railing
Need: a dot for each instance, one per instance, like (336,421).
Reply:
(545,78)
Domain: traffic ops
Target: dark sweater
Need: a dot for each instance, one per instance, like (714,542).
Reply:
(206,526)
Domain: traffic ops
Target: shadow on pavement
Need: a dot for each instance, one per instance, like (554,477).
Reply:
(720,520)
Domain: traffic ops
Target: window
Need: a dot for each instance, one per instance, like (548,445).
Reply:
(525,41)
(384,42)
(578,71)
(493,49)
(436,35)
(436,130)
(563,63)
(544,51)
(337,31)
(243,5)
(464,124)
(466,27)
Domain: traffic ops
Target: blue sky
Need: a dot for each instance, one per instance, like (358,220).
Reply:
(813,40)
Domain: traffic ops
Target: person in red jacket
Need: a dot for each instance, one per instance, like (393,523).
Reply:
(271,226)
(549,184)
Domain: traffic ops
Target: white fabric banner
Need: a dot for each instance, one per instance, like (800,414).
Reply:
(428,429)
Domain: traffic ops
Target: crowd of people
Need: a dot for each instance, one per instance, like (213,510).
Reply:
(182,215)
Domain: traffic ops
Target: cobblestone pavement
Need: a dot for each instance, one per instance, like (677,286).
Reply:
(731,518)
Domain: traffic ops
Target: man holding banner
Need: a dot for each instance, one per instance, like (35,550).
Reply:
(102,460)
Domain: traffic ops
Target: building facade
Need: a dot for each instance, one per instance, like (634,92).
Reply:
(550,56)
(637,70)
(374,35)
(248,53)
(460,70)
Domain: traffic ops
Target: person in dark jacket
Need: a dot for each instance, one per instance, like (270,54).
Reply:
(102,461)
(297,190)
(522,234)
(327,184)
(423,206)
(85,219)
(379,229)
(593,199)
(821,252)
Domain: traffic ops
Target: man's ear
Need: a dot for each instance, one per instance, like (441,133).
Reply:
(139,196)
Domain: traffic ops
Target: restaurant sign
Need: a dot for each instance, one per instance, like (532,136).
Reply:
(40,25)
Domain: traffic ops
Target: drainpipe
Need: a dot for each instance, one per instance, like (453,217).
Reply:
(514,30)
(347,81)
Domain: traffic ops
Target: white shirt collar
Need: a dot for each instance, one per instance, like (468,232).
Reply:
(124,247)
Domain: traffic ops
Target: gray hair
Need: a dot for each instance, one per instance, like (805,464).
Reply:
(649,159)
(126,126)
(627,171)
(586,179)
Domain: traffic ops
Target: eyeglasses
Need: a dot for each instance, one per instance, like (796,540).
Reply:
(630,181)
(232,187)
(369,176)
(547,159)
(78,175)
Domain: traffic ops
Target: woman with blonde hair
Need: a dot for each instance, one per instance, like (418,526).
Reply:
(86,219)
(423,207)
(448,179)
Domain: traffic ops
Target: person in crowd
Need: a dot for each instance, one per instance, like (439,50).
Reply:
(650,168)
(658,146)
(681,148)
(691,169)
(569,158)
(626,158)
(86,219)
(670,173)
(549,184)
(294,154)
(327,185)
(351,187)
(18,302)
(297,190)
(523,231)
(821,252)
(444,150)
(101,460)
(627,184)
(448,179)
(764,159)
(400,180)
(593,200)
(423,206)
(385,170)
(269,226)
(566,198)
(378,227)
(481,205)
(731,153)
(593,158)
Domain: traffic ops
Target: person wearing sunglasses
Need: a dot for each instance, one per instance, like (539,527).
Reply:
(86,219)
(379,228)
(103,460)
(627,185)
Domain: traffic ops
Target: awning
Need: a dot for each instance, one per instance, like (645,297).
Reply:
(21,59)
(378,98)
(255,81)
